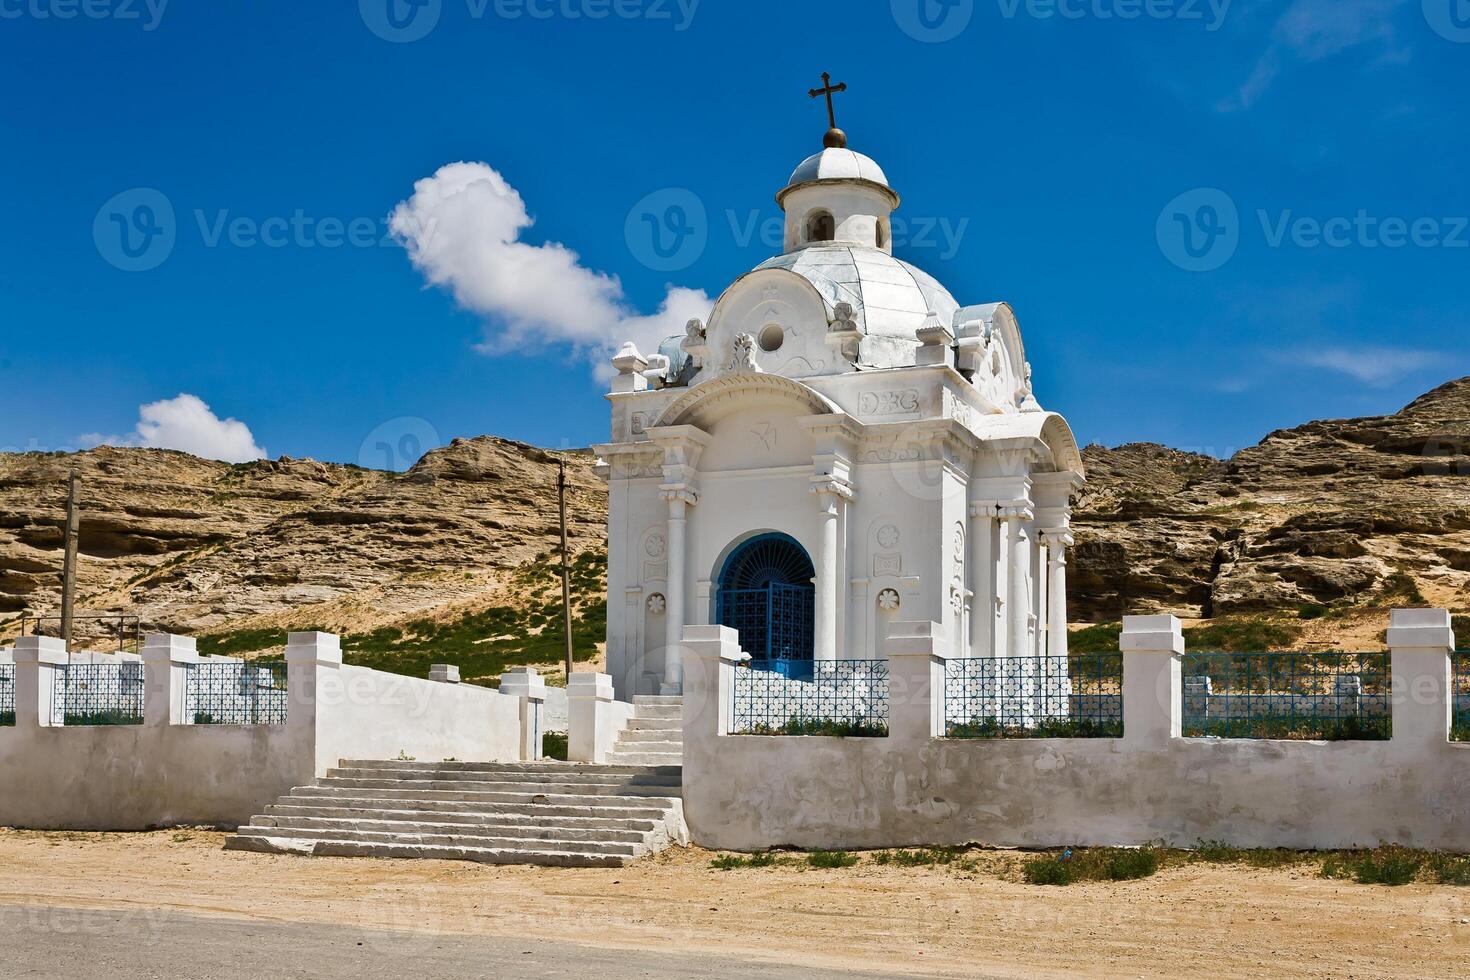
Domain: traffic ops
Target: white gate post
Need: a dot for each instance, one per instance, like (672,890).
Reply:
(1421,641)
(39,662)
(1152,697)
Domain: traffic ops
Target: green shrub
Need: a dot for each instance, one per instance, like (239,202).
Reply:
(733,862)
(831,859)
(1103,638)
(1311,611)
(1128,865)
(922,857)
(1449,869)
(1046,728)
(819,726)
(1048,871)
(1388,866)
(554,746)
(1241,636)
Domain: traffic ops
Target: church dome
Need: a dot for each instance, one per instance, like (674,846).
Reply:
(837,164)
(889,297)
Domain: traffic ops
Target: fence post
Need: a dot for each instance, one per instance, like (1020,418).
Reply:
(1421,641)
(1152,694)
(166,678)
(916,667)
(39,664)
(710,654)
(591,726)
(526,684)
(313,662)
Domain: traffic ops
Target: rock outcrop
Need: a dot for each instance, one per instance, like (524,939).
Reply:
(1346,512)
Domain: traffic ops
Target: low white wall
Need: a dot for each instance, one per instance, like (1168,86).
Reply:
(914,788)
(168,771)
(367,714)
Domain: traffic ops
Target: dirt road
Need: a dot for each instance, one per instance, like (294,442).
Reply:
(1188,920)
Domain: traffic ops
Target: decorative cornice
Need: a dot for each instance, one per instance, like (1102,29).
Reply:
(837,488)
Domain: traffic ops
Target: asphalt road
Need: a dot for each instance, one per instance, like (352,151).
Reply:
(84,944)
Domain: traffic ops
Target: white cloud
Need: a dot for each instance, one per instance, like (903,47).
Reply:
(462,229)
(1375,366)
(1312,30)
(187,424)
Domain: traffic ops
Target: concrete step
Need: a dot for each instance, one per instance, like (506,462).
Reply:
(643,758)
(668,713)
(502,792)
(664,745)
(477,825)
(555,814)
(412,835)
(349,848)
(648,724)
(558,768)
(334,806)
(592,780)
(673,735)
(658,699)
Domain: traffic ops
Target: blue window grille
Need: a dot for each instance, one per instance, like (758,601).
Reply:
(833,697)
(1078,696)
(99,694)
(1460,727)
(1316,696)
(7,694)
(766,595)
(233,693)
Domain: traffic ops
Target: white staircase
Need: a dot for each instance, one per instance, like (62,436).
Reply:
(547,813)
(655,733)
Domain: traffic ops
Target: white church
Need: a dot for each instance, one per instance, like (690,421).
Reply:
(843,445)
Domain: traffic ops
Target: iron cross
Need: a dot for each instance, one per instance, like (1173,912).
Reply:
(827,89)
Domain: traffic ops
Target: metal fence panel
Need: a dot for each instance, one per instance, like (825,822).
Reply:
(7,694)
(1077,696)
(1317,696)
(99,694)
(774,622)
(233,693)
(1460,729)
(821,697)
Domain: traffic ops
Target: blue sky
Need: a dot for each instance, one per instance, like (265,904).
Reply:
(1212,221)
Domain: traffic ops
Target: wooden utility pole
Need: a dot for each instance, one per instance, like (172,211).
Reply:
(69,560)
(566,582)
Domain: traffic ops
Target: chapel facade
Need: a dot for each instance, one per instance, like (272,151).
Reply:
(841,446)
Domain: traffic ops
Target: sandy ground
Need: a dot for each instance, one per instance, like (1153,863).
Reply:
(1188,920)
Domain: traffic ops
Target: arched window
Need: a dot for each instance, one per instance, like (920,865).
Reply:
(820,227)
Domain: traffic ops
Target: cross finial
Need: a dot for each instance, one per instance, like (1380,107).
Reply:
(835,137)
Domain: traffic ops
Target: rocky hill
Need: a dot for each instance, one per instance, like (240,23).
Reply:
(1344,513)
(457,551)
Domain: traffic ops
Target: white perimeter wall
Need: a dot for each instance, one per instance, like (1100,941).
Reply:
(914,788)
(168,771)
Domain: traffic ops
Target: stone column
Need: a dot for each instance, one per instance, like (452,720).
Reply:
(831,497)
(1421,641)
(679,497)
(1057,543)
(1018,599)
(982,578)
(1152,698)
(1040,581)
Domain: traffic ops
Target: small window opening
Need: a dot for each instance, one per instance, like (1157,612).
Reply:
(821,228)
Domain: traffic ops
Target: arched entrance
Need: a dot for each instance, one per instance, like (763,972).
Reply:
(765,594)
